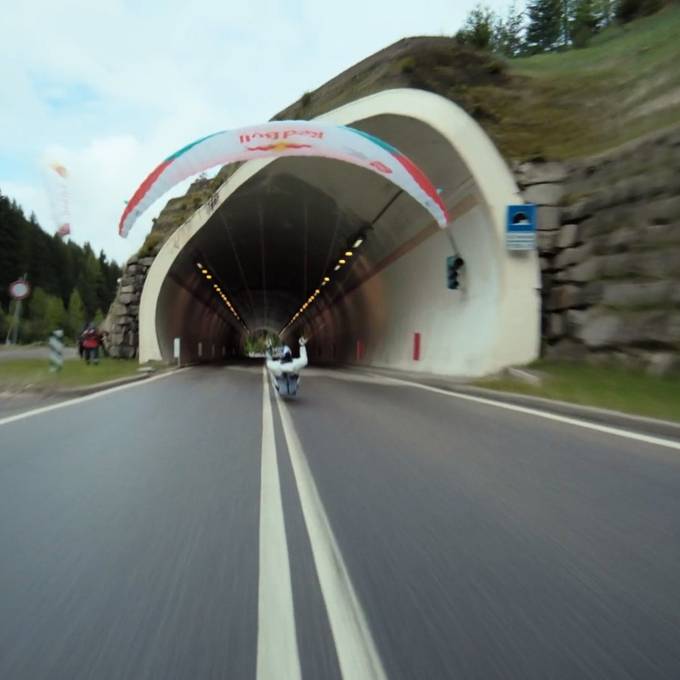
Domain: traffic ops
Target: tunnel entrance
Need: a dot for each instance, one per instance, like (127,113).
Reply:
(318,247)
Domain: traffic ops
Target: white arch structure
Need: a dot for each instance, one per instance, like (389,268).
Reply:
(491,323)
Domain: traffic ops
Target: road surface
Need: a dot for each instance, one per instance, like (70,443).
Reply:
(193,526)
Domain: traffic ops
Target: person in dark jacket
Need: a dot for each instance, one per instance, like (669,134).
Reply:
(90,342)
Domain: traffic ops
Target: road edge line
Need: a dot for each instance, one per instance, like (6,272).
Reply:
(606,429)
(79,400)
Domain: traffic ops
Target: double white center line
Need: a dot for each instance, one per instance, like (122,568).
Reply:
(277,653)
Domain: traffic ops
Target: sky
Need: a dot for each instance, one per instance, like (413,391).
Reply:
(110,89)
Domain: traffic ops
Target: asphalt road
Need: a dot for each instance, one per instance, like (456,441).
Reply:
(185,527)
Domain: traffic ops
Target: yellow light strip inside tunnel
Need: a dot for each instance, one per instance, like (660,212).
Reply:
(208,276)
(342,261)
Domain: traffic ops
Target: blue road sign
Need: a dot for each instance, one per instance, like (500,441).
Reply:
(520,231)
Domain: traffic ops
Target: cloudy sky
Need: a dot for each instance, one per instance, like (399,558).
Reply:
(109,89)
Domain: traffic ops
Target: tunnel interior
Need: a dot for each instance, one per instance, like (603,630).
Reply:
(365,260)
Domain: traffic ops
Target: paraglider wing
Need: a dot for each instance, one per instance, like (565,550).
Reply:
(57,189)
(278,140)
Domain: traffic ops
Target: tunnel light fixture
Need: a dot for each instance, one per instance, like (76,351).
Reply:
(359,240)
(348,253)
(326,279)
(337,266)
(317,291)
(218,290)
(341,261)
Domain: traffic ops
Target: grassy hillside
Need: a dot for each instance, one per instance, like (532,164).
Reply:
(557,106)
(625,84)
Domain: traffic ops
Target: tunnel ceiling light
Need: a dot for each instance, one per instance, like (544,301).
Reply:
(317,291)
(208,276)
(358,242)
(199,265)
(348,253)
(337,266)
(341,261)
(204,271)
(326,279)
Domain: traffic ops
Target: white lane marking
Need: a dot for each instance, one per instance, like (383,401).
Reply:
(357,654)
(87,397)
(277,652)
(606,429)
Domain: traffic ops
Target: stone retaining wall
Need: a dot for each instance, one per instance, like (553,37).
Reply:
(609,244)
(122,322)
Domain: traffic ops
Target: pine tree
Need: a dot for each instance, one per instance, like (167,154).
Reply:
(54,270)
(584,22)
(509,32)
(11,246)
(545,28)
(605,11)
(46,314)
(75,315)
(89,281)
(4,324)
(478,30)
(56,314)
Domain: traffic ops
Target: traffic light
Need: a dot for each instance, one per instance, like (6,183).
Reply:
(453,266)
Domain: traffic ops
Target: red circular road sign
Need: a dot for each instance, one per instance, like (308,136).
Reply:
(19,289)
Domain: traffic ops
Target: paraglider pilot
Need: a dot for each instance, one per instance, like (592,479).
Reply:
(285,372)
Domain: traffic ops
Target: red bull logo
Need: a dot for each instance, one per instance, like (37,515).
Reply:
(276,135)
(279,147)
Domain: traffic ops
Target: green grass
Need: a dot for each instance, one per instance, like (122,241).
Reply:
(35,373)
(607,387)
(583,101)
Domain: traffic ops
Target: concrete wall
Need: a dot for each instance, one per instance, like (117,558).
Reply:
(375,324)
(181,315)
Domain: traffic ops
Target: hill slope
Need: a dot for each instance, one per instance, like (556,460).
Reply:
(559,105)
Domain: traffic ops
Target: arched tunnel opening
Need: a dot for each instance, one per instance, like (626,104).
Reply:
(324,249)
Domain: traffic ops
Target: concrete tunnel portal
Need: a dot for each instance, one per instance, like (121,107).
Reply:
(276,229)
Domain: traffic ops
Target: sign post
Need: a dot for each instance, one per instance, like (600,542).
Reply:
(520,231)
(176,348)
(56,345)
(19,290)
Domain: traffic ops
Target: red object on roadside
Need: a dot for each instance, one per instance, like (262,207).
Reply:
(90,339)
(416,347)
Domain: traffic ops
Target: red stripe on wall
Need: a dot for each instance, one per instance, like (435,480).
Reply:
(416,347)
